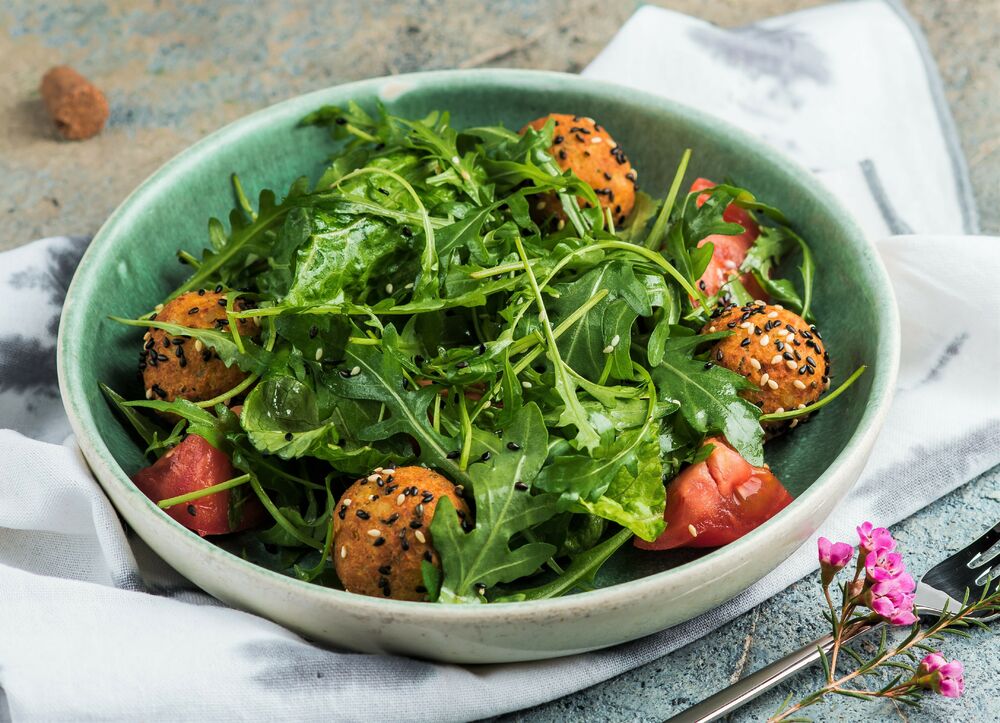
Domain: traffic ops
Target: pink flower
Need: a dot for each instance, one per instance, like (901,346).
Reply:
(875,539)
(941,676)
(833,557)
(883,565)
(893,600)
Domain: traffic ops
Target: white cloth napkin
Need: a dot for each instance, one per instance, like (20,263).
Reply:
(94,626)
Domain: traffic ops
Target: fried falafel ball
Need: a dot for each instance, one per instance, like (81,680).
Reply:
(179,367)
(381,531)
(775,349)
(585,147)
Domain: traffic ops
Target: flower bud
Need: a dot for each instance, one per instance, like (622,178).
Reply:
(937,674)
(833,557)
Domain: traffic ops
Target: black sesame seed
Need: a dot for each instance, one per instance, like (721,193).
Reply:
(391,488)
(391,519)
(193,310)
(406,232)
(192,510)
(557,140)
(420,588)
(383,191)
(288,436)
(731,325)
(385,570)
(403,542)
(342,512)
(780,345)
(427,497)
(701,285)
(485,456)
(788,355)
(467,526)
(221,302)
(416,524)
(745,342)
(379,541)
(428,556)
(562,154)
(812,362)
(520,486)
(380,482)
(363,515)
(313,331)
(513,446)
(462,365)
(454,454)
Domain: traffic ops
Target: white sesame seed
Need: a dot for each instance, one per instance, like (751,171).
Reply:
(772,315)
(729,264)
(609,349)
(543,317)
(540,205)
(777,306)
(798,384)
(379,470)
(459,489)
(346,502)
(145,337)
(198,346)
(776,359)
(488,404)
(400,498)
(801,406)
(466,175)
(711,329)
(561,225)
(158,308)
(526,384)
(755,364)
(343,551)
(355,371)
(764,340)
(615,339)
(612,144)
(747,325)
(779,410)
(374,478)
(794,424)
(372,497)
(319,353)
(420,536)
(765,378)
(149,394)
(597,139)
(456,160)
(758,302)
(408,287)
(388,288)
(374,533)
(694,532)
(772,384)
(790,364)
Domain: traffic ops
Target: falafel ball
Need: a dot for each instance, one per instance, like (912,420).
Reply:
(179,367)
(381,531)
(585,147)
(775,349)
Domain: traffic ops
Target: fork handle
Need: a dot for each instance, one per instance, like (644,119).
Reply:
(746,689)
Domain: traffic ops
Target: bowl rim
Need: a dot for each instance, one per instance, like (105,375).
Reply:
(107,470)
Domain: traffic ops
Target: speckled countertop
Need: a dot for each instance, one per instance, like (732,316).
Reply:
(174,71)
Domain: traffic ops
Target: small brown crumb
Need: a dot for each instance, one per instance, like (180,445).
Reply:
(78,107)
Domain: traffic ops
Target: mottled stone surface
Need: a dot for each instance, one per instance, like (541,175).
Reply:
(174,71)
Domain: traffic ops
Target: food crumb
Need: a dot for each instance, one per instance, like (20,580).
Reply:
(77,106)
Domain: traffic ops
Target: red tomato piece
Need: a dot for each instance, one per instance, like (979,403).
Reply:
(728,252)
(721,499)
(193,465)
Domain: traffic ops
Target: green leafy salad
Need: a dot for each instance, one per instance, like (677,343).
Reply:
(542,356)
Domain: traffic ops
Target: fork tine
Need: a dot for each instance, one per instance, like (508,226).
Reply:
(962,570)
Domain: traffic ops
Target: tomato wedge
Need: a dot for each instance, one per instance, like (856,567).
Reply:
(193,465)
(728,252)
(719,500)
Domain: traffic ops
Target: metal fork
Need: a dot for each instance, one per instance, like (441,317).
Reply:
(941,589)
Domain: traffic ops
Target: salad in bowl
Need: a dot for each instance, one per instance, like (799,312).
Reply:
(470,365)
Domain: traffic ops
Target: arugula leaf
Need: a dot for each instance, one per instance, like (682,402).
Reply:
(581,571)
(484,556)
(773,244)
(380,378)
(710,400)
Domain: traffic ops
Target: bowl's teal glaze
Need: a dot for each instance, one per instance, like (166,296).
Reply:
(131,266)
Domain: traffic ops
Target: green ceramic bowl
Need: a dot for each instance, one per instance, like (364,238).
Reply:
(131,266)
